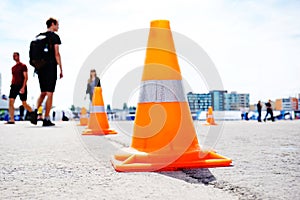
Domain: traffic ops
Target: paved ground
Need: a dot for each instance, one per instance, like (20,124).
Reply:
(59,163)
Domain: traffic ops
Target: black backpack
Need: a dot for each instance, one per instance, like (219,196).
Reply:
(39,52)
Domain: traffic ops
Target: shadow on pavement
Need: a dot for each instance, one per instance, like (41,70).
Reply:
(199,175)
(43,127)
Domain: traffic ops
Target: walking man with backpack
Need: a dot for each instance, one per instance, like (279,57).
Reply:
(19,87)
(48,72)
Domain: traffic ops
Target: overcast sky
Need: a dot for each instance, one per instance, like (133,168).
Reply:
(255,45)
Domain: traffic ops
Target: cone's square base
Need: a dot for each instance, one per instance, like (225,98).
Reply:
(82,124)
(132,160)
(210,124)
(98,132)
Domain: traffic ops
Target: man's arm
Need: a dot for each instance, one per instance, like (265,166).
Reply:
(58,59)
(25,74)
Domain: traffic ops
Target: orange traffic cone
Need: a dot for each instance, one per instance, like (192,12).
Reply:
(83,117)
(210,117)
(98,122)
(164,136)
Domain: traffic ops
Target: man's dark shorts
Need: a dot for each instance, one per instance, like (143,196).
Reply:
(15,91)
(47,77)
(47,85)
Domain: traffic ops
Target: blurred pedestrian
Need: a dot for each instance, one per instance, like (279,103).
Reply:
(40,113)
(259,106)
(19,87)
(21,110)
(48,73)
(269,111)
(246,116)
(64,117)
(4,97)
(53,115)
(93,82)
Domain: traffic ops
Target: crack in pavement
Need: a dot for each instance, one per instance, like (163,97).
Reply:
(205,177)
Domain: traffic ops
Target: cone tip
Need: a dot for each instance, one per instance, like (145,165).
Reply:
(160,23)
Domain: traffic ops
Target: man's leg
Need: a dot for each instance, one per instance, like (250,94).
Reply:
(11,109)
(26,106)
(272,116)
(49,87)
(266,116)
(23,98)
(13,93)
(48,104)
(34,116)
(41,99)
(47,121)
(21,110)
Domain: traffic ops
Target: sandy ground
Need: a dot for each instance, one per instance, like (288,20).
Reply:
(59,163)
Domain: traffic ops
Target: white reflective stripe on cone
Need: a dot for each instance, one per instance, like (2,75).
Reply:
(97,109)
(161,91)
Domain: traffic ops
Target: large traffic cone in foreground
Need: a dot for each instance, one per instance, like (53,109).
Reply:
(164,136)
(98,122)
(210,117)
(83,117)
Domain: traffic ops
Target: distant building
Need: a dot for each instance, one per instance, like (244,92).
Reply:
(217,99)
(244,100)
(220,100)
(278,104)
(287,104)
(231,101)
(235,101)
(199,102)
(294,103)
(253,107)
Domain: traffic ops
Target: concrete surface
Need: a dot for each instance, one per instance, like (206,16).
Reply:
(59,163)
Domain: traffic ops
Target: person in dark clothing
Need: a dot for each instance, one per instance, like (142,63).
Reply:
(64,117)
(4,97)
(21,110)
(48,73)
(53,115)
(246,116)
(269,111)
(19,87)
(259,106)
(93,82)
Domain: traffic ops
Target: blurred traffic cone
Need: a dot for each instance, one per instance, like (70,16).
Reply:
(40,113)
(210,117)
(164,136)
(98,122)
(83,117)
